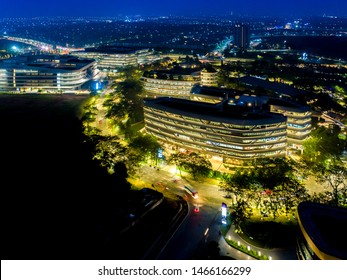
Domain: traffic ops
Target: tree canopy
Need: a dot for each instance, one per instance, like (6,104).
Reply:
(272,187)
(322,145)
(194,163)
(142,147)
(322,159)
(125,103)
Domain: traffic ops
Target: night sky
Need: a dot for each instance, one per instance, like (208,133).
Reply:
(32,8)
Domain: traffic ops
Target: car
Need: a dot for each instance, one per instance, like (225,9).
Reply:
(196,209)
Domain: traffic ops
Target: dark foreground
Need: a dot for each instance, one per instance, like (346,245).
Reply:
(56,203)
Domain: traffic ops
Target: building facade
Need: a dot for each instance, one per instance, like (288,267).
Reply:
(209,77)
(216,130)
(170,83)
(241,36)
(110,58)
(298,121)
(32,73)
(210,94)
(299,117)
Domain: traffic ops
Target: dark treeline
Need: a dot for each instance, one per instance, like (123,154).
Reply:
(53,196)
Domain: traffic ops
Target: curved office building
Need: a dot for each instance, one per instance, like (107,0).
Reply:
(162,87)
(222,131)
(209,77)
(45,72)
(109,60)
(298,123)
(177,83)
(112,57)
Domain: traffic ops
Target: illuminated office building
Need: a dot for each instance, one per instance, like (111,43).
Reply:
(146,56)
(111,58)
(226,131)
(298,116)
(211,94)
(45,72)
(241,36)
(209,77)
(177,83)
(298,121)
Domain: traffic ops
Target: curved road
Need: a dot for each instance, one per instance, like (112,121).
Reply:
(198,229)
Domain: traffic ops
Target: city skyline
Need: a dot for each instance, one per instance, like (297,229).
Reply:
(174,130)
(35,8)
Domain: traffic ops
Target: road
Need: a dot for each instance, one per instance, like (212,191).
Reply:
(197,230)
(190,235)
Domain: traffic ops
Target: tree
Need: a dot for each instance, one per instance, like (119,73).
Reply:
(272,186)
(323,144)
(275,172)
(109,152)
(236,184)
(119,111)
(143,146)
(177,159)
(334,176)
(197,165)
(133,159)
(110,155)
(241,212)
(126,102)
(131,73)
(322,159)
(89,116)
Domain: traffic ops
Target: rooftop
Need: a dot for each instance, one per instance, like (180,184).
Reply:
(109,49)
(216,92)
(278,88)
(288,104)
(177,70)
(326,226)
(220,112)
(209,70)
(53,63)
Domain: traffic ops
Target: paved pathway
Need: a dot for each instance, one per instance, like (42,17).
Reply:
(274,254)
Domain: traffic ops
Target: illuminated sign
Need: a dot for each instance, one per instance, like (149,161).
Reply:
(224,210)
(160,153)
